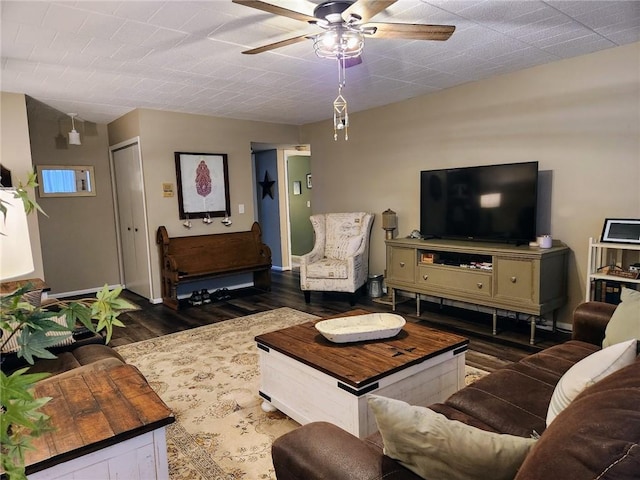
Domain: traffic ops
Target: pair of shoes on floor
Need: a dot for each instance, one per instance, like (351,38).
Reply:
(221,294)
(206,296)
(196,298)
(199,297)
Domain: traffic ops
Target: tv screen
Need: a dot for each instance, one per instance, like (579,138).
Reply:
(489,203)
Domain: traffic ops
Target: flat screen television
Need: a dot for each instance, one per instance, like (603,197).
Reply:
(495,203)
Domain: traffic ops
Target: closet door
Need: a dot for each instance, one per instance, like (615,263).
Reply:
(134,244)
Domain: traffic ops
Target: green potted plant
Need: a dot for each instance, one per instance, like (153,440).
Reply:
(32,327)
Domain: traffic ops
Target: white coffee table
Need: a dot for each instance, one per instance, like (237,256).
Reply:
(311,379)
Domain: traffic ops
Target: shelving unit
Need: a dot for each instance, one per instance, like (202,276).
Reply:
(519,279)
(603,254)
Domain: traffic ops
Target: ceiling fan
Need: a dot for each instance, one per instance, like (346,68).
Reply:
(348,20)
(345,24)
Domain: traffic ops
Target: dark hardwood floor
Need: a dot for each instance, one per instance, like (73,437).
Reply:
(486,351)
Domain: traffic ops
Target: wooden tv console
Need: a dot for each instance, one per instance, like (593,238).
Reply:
(521,279)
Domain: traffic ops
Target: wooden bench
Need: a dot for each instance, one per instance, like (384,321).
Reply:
(188,259)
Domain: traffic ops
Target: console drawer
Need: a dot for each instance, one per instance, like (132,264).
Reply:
(452,278)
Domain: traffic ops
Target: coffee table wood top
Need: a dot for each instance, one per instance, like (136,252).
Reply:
(360,363)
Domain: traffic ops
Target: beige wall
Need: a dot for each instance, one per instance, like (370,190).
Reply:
(163,133)
(15,155)
(78,234)
(580,118)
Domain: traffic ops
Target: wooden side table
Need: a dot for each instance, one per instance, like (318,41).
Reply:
(107,424)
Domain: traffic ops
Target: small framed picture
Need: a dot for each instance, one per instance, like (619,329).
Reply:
(621,230)
(297,188)
(308,180)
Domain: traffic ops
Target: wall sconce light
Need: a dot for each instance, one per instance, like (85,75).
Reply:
(74,136)
(389,223)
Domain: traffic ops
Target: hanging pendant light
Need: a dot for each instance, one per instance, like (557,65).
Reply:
(74,136)
(340,43)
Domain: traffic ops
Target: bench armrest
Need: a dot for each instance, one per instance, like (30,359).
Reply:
(590,320)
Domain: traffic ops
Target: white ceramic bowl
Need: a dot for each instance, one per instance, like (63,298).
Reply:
(358,328)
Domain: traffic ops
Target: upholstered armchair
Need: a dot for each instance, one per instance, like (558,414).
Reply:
(339,261)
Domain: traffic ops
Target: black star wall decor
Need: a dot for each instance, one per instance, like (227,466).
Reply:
(267,185)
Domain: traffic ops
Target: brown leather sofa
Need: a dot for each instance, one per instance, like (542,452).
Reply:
(86,350)
(596,436)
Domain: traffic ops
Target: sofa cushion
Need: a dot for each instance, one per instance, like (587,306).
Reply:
(437,448)
(625,321)
(65,336)
(83,355)
(556,360)
(596,436)
(588,371)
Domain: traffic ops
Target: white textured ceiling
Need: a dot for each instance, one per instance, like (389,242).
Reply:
(103,59)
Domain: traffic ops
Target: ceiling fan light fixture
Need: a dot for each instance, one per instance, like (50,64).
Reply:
(338,43)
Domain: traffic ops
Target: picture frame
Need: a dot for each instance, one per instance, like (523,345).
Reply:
(308,180)
(297,187)
(203,184)
(621,230)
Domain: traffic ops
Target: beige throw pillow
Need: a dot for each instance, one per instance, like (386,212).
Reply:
(588,371)
(436,448)
(625,322)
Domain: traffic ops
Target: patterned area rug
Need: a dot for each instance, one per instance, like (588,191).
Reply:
(209,377)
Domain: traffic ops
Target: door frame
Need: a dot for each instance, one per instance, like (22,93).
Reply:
(135,141)
(287,154)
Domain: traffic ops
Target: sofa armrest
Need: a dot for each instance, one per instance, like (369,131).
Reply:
(590,321)
(321,450)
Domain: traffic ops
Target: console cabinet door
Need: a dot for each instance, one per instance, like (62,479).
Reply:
(402,264)
(515,279)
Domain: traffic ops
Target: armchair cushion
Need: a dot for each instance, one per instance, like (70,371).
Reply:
(343,234)
(328,268)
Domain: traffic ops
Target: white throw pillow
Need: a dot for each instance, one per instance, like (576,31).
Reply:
(588,371)
(434,447)
(625,321)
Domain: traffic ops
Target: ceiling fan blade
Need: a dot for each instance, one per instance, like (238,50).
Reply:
(411,31)
(273,46)
(366,9)
(267,7)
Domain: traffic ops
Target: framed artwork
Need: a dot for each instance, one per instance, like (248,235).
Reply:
(308,180)
(621,230)
(203,184)
(297,188)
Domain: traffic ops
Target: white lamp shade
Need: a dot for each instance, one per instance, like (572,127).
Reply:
(74,137)
(15,247)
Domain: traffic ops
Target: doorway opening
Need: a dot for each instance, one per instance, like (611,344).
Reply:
(283,189)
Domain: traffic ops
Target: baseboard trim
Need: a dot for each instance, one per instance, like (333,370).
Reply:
(75,293)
